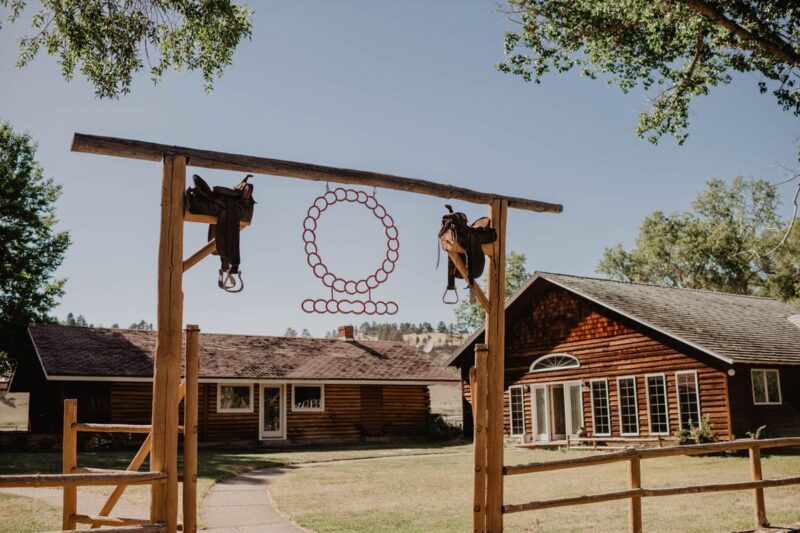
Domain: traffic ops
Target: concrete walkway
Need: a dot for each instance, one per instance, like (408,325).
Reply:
(242,504)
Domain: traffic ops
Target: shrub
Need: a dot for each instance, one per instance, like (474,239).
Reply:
(437,428)
(697,433)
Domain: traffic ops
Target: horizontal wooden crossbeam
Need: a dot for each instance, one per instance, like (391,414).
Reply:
(645,493)
(96,479)
(148,151)
(115,428)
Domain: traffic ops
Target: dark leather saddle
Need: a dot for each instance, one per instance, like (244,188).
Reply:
(231,207)
(458,236)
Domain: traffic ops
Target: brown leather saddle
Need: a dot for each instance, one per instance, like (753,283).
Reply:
(459,236)
(231,207)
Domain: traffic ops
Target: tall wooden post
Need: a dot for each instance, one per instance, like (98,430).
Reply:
(167,367)
(759,508)
(190,430)
(495,340)
(478,388)
(69,461)
(635,482)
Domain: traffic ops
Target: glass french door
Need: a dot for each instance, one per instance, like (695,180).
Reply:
(557,410)
(272,406)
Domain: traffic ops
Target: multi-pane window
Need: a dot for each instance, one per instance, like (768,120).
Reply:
(601,413)
(657,404)
(766,387)
(516,400)
(688,399)
(234,398)
(308,398)
(628,408)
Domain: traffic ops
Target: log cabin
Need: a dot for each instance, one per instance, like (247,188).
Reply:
(272,390)
(626,361)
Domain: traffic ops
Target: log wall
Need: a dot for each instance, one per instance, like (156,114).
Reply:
(607,346)
(351,413)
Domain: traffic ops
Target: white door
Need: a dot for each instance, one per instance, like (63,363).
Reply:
(573,407)
(541,413)
(272,412)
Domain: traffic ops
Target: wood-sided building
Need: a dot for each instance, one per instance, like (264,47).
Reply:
(276,390)
(604,358)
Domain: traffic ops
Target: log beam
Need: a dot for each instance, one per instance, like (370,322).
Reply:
(495,340)
(167,363)
(148,151)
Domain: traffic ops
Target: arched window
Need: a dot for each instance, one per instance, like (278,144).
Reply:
(554,361)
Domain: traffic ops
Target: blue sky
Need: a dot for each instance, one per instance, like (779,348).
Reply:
(407,88)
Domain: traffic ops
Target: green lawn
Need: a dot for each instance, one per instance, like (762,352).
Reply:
(424,488)
(214,465)
(423,494)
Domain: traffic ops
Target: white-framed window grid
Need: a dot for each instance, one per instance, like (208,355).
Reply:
(317,409)
(760,376)
(554,361)
(628,406)
(222,409)
(601,410)
(516,410)
(657,404)
(688,399)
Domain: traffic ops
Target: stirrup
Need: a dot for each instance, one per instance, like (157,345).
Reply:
(444,296)
(227,282)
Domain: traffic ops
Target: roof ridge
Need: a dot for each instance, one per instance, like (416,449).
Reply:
(653,285)
(334,339)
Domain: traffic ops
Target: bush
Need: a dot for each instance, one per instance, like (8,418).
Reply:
(437,428)
(697,433)
(759,433)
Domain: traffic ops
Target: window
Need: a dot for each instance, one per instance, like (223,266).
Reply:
(308,398)
(657,404)
(628,406)
(234,398)
(516,400)
(688,399)
(601,414)
(766,387)
(555,361)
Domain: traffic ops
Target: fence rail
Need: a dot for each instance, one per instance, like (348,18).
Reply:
(635,492)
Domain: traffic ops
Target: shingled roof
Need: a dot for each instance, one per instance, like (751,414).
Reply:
(70,352)
(730,327)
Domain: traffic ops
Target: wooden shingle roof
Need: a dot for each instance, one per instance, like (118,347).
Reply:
(730,327)
(73,352)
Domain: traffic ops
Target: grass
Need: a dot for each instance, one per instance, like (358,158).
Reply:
(433,493)
(214,465)
(427,487)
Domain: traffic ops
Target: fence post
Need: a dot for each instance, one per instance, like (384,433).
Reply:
(758,493)
(479,397)
(635,482)
(190,430)
(69,461)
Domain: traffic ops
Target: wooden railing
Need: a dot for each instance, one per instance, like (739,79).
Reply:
(635,492)
(73,476)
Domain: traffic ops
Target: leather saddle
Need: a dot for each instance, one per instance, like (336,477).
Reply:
(457,235)
(231,207)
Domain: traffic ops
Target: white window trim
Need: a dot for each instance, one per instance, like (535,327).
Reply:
(511,411)
(666,401)
(635,404)
(766,393)
(697,394)
(319,409)
(220,409)
(608,407)
(550,355)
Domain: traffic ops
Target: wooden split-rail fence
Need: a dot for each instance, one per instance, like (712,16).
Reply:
(635,492)
(74,476)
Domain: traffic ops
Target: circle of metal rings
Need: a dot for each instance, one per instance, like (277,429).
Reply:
(349,286)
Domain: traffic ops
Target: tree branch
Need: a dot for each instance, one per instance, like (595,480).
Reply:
(781,49)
